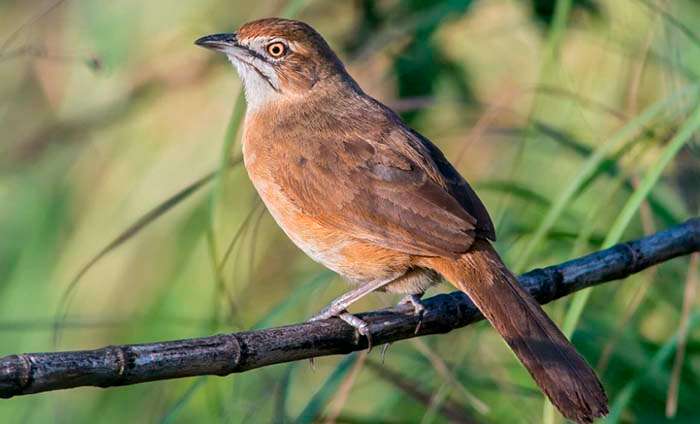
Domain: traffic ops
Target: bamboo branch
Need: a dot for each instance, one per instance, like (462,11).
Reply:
(237,352)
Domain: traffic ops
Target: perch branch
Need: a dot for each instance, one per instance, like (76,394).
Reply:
(237,352)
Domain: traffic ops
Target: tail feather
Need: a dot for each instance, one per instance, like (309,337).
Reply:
(562,374)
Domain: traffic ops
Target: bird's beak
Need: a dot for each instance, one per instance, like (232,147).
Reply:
(220,42)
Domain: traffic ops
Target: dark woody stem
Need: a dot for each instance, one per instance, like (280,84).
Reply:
(238,352)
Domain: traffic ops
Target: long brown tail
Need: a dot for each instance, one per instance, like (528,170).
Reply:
(562,374)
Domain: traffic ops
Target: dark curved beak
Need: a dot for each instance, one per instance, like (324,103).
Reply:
(218,41)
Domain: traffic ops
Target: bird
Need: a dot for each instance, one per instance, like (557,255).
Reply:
(362,193)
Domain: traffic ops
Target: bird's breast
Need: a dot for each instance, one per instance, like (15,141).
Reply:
(269,160)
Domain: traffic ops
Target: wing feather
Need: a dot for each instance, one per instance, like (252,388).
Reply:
(383,192)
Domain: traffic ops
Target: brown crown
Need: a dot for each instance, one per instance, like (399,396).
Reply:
(312,58)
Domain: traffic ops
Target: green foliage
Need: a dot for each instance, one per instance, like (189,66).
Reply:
(575,120)
(543,10)
(422,63)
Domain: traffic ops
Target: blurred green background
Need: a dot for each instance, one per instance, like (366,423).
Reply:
(574,120)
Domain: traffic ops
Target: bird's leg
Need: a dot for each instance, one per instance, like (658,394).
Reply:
(340,304)
(338,307)
(418,307)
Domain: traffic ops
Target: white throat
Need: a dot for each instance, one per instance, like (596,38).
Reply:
(257,89)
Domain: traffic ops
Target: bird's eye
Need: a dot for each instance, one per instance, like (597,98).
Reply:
(276,49)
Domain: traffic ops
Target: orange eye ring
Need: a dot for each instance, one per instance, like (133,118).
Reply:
(276,49)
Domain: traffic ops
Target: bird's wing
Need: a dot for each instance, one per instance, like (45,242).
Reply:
(387,191)
(458,188)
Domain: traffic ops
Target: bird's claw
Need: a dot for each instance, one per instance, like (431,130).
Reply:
(385,347)
(359,325)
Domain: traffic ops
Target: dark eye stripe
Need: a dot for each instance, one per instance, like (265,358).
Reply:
(256,54)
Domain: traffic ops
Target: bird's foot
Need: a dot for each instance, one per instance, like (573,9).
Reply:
(418,308)
(335,310)
(360,326)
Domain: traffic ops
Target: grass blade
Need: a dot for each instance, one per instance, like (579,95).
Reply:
(172,412)
(652,176)
(661,356)
(452,410)
(689,296)
(315,407)
(131,231)
(591,165)
(623,219)
(296,296)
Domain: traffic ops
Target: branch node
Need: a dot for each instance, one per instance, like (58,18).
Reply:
(25,374)
(117,355)
(16,375)
(235,347)
(634,255)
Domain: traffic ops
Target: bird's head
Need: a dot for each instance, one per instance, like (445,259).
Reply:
(278,59)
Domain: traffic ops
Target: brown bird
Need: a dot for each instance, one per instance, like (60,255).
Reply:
(373,200)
